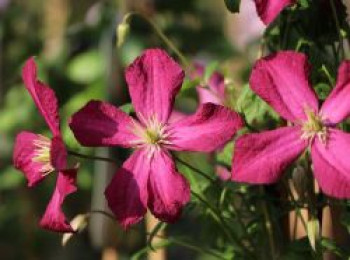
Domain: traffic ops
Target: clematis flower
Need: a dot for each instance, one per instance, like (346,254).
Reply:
(212,91)
(282,81)
(268,10)
(149,178)
(38,156)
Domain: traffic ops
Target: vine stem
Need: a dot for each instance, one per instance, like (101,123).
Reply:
(161,35)
(201,173)
(268,226)
(171,239)
(337,24)
(225,228)
(91,157)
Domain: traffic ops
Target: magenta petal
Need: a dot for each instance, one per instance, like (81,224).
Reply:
(331,164)
(282,81)
(154,79)
(58,153)
(53,218)
(337,107)
(223,173)
(214,91)
(168,190)
(43,96)
(24,152)
(268,10)
(207,95)
(262,158)
(127,194)
(176,116)
(102,124)
(207,130)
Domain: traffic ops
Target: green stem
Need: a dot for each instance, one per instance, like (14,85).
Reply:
(201,173)
(337,24)
(224,226)
(104,213)
(268,226)
(91,157)
(196,248)
(294,201)
(161,35)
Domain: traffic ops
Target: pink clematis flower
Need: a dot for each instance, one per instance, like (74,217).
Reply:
(268,10)
(38,156)
(149,178)
(212,91)
(282,81)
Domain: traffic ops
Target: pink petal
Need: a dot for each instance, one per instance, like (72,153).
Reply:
(263,157)
(43,96)
(208,96)
(176,116)
(337,107)
(53,218)
(223,173)
(207,130)
(24,152)
(154,79)
(58,153)
(102,124)
(168,190)
(214,91)
(268,10)
(282,81)
(127,194)
(331,164)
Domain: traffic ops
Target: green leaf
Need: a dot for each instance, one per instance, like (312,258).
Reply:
(87,67)
(127,108)
(233,5)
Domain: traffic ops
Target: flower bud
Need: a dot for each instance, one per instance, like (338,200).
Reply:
(122,32)
(78,223)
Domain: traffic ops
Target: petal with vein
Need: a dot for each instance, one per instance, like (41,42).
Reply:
(127,194)
(268,10)
(337,106)
(169,191)
(207,130)
(281,80)
(154,79)
(54,218)
(101,124)
(43,96)
(23,154)
(331,164)
(263,157)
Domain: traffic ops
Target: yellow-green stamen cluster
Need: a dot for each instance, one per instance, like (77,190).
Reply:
(152,135)
(314,127)
(42,154)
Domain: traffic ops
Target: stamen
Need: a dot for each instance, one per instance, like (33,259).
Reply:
(314,127)
(42,154)
(152,136)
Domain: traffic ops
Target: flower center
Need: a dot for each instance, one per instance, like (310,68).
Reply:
(153,134)
(314,126)
(42,154)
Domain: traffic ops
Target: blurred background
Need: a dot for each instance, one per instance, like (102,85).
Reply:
(75,46)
